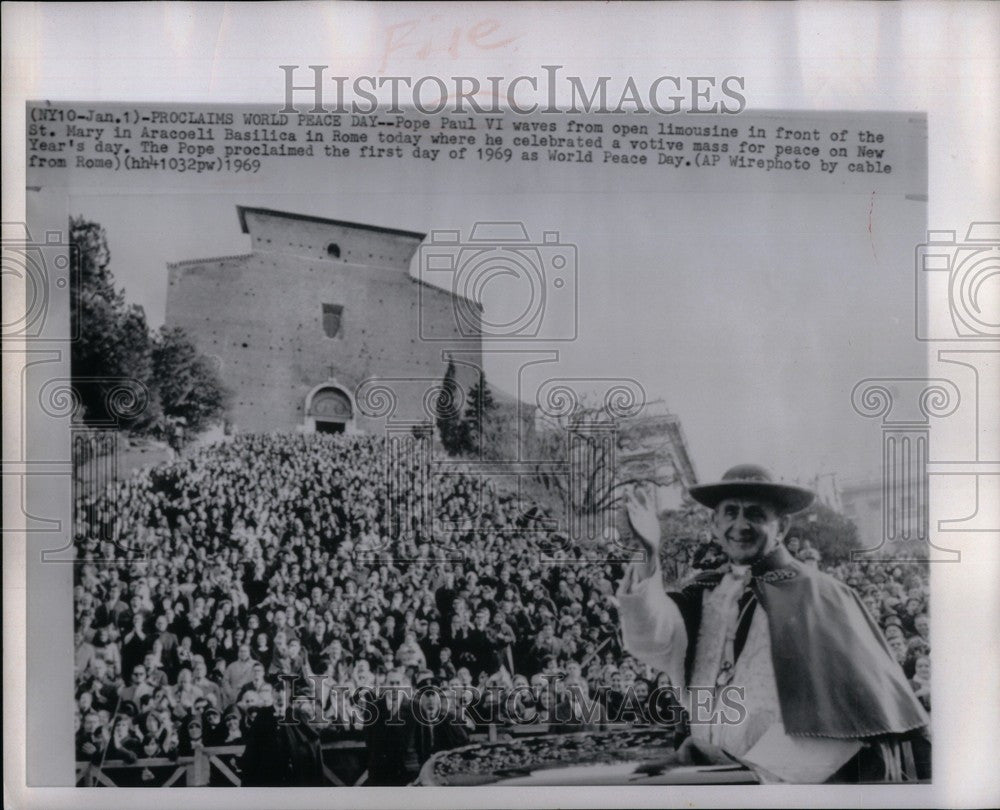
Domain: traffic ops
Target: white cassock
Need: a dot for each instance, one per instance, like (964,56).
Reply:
(653,631)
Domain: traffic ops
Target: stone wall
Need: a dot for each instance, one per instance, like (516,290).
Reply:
(261,316)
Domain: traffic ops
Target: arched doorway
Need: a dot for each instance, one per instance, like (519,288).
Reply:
(329,409)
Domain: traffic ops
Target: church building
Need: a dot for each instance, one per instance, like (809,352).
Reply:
(315,309)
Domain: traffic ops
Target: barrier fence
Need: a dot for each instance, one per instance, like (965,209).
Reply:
(344,762)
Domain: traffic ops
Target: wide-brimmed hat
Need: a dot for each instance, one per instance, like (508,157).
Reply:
(426,678)
(753,481)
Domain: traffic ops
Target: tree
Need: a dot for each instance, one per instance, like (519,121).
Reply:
(447,412)
(188,386)
(477,432)
(588,458)
(829,532)
(122,374)
(112,353)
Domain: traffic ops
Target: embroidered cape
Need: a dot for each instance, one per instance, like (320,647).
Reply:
(835,673)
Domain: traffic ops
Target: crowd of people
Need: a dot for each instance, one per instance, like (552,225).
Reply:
(214,591)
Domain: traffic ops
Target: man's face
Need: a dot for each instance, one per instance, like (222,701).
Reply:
(898,646)
(244,652)
(747,528)
(394,680)
(430,703)
(922,625)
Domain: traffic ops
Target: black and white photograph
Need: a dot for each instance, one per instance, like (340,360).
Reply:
(413,427)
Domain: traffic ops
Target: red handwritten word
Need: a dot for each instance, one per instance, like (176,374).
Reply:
(420,39)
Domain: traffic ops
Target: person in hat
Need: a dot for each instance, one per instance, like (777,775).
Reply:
(192,736)
(213,730)
(233,727)
(805,669)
